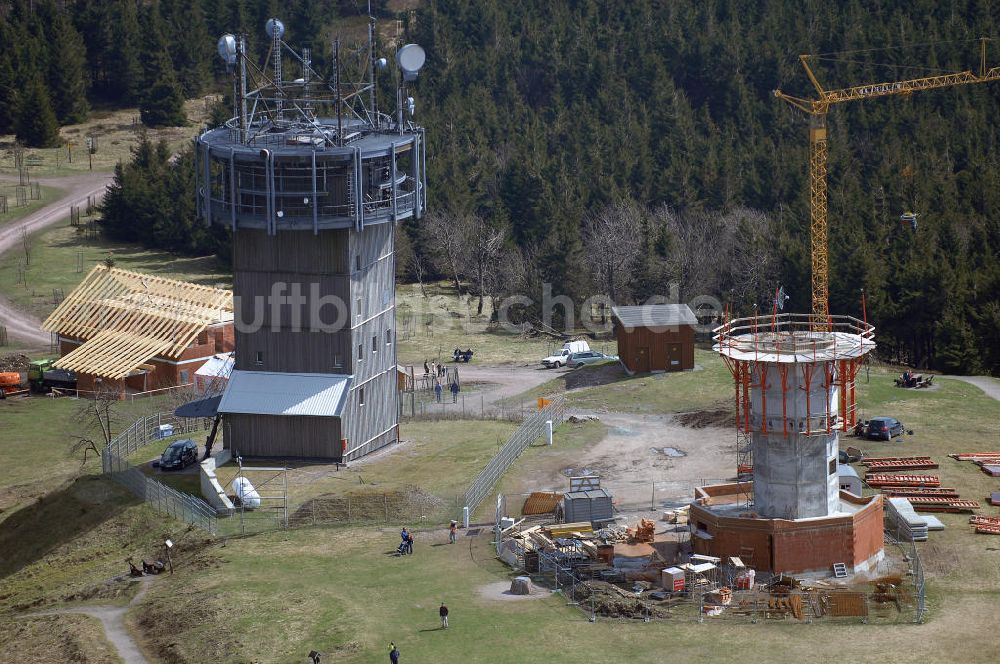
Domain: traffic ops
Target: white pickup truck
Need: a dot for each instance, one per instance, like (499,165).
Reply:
(560,358)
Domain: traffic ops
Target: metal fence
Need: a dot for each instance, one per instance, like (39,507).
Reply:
(533,426)
(114,463)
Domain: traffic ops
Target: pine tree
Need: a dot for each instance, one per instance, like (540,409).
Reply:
(162,103)
(67,77)
(125,55)
(36,125)
(189,43)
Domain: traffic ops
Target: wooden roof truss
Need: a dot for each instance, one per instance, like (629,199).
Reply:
(126,318)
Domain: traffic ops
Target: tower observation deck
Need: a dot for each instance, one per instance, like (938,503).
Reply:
(311,178)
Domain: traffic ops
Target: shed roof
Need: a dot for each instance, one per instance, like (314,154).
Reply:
(655,315)
(847,471)
(219,365)
(272,393)
(127,318)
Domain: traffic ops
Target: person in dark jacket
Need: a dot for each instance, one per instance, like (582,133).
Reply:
(454,391)
(443,612)
(393,653)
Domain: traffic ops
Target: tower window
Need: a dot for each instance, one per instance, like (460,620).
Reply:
(357,308)
(259,359)
(361,396)
(337,361)
(361,352)
(375,344)
(833,466)
(388,337)
(357,262)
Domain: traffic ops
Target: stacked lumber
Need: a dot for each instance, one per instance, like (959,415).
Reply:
(908,491)
(987,525)
(899,463)
(976,456)
(644,531)
(570,529)
(931,504)
(879,480)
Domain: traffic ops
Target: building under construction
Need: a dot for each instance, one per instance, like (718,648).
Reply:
(311,178)
(795,392)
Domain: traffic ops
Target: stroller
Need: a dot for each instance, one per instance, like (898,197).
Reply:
(401,549)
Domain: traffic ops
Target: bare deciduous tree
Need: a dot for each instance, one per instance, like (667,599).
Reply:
(613,239)
(446,244)
(96,414)
(484,242)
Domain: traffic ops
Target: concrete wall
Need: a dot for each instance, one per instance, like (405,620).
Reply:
(792,478)
(213,492)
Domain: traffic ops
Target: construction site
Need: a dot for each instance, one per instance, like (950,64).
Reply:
(272,438)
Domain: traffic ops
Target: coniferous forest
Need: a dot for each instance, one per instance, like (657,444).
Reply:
(611,148)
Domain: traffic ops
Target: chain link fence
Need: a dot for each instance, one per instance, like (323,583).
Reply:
(116,466)
(534,426)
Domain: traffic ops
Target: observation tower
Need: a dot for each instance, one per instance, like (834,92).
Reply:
(311,178)
(795,393)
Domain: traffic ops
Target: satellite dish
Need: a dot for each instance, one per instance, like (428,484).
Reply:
(410,59)
(274,28)
(227,48)
(381,63)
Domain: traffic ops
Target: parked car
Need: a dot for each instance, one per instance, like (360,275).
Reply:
(884,428)
(585,357)
(180,454)
(561,358)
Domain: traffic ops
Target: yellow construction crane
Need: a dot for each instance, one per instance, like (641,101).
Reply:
(817,110)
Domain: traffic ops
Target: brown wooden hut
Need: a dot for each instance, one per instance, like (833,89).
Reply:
(655,337)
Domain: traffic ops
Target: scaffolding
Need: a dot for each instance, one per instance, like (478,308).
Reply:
(785,356)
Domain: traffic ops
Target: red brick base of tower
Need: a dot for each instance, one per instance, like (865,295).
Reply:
(718,528)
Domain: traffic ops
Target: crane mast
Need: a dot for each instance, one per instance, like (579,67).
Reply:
(817,110)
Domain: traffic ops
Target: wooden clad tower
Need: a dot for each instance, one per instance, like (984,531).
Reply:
(312,201)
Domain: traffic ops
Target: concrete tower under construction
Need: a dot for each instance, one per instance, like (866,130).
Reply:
(795,392)
(311,179)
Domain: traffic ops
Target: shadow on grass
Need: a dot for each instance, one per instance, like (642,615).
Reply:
(57,518)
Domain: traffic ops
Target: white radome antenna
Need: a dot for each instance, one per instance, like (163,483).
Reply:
(410,59)
(227,49)
(274,28)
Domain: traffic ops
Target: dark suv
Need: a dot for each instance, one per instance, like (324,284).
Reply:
(180,454)
(884,428)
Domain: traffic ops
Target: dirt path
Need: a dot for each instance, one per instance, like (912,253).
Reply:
(21,325)
(113,620)
(991,386)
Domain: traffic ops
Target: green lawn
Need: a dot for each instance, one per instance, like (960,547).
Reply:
(13,213)
(117,134)
(613,390)
(430,327)
(62,257)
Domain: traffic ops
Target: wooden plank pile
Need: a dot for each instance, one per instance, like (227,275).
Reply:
(987,525)
(880,480)
(899,463)
(931,504)
(909,491)
(988,462)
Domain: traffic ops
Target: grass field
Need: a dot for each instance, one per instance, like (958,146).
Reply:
(608,388)
(431,327)
(58,252)
(116,133)
(13,213)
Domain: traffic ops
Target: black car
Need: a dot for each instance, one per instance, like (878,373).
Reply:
(180,454)
(884,428)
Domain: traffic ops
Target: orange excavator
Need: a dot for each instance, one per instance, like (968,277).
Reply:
(10,385)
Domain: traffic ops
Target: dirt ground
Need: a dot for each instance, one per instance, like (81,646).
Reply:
(644,460)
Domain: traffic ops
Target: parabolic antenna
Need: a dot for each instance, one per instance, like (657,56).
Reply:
(274,28)
(227,48)
(410,59)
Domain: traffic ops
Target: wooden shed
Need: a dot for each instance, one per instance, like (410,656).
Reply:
(655,337)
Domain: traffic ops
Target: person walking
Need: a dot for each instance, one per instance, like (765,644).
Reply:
(393,653)
(427,370)
(409,543)
(454,391)
(443,612)
(437,391)
(452,532)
